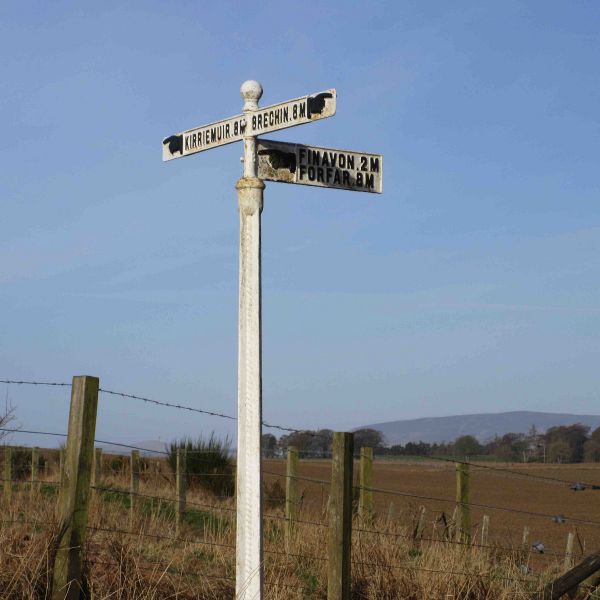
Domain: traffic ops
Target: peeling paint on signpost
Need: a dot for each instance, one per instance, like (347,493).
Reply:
(281,162)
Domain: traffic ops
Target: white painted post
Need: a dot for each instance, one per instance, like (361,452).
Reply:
(249,534)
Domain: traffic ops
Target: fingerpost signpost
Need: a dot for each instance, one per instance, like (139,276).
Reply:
(272,161)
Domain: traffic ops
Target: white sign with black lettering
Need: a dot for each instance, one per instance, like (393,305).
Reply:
(324,167)
(264,120)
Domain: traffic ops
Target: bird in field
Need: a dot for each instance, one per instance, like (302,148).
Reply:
(538,547)
(559,518)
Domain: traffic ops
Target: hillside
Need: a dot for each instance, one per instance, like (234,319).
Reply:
(482,426)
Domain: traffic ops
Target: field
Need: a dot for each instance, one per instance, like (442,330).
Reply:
(144,558)
(490,487)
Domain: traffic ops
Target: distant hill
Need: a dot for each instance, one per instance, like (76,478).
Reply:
(483,426)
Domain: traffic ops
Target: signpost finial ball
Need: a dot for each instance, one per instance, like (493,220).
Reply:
(251,92)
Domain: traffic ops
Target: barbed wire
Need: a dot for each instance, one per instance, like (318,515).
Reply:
(549,479)
(417,539)
(168,404)
(48,383)
(298,477)
(283,553)
(31,482)
(510,471)
(206,412)
(170,570)
(167,568)
(159,536)
(160,498)
(479,505)
(430,570)
(379,565)
(43,524)
(64,435)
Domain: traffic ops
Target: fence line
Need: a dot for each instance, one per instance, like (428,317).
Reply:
(324,482)
(489,506)
(478,465)
(49,383)
(454,542)
(430,570)
(158,536)
(166,404)
(545,478)
(334,555)
(289,429)
(47,524)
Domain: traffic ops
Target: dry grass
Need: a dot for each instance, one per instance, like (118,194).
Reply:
(150,563)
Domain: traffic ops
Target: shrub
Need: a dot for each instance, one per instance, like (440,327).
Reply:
(274,495)
(209,463)
(21,463)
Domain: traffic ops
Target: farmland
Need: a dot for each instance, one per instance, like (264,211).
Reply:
(491,487)
(141,555)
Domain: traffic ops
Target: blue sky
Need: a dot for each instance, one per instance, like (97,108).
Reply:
(470,285)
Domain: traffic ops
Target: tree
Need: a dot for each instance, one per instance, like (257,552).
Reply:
(591,451)
(467,445)
(573,436)
(595,435)
(560,451)
(368,438)
(309,443)
(269,445)
(7,416)
(510,447)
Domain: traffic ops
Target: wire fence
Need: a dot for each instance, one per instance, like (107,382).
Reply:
(418,542)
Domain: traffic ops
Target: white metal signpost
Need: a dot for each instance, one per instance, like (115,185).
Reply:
(274,161)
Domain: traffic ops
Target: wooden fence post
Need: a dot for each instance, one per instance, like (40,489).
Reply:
(570,580)
(180,483)
(419,528)
(340,518)
(485,527)
(97,466)
(134,487)
(35,456)
(569,552)
(7,473)
(292,498)
(463,521)
(67,581)
(365,500)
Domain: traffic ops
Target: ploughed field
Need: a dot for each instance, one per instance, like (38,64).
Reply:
(515,491)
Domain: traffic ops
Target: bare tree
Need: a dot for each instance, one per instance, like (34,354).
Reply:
(7,416)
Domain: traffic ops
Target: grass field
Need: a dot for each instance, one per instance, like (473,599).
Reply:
(150,562)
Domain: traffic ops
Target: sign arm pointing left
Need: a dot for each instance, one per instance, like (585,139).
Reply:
(298,111)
